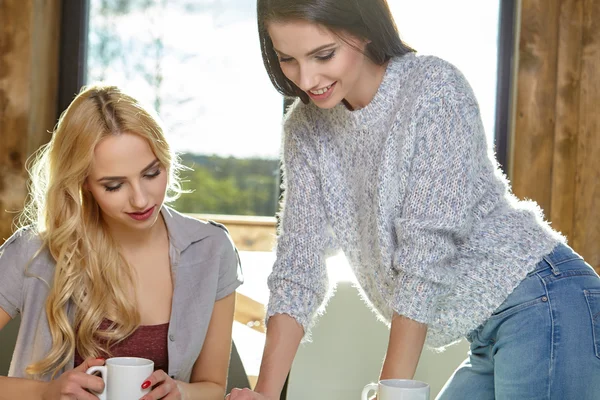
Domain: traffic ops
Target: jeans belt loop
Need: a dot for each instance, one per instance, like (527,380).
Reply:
(554,268)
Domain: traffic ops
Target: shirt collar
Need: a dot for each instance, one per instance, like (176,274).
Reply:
(183,230)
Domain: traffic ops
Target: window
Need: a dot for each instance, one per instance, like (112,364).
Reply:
(463,32)
(198,64)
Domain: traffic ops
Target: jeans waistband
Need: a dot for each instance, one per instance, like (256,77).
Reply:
(561,254)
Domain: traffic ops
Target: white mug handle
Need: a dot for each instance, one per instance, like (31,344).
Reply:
(370,387)
(103,374)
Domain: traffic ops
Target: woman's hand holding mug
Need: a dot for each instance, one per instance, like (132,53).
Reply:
(73,384)
(167,388)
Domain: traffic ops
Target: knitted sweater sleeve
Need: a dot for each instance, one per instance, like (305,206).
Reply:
(437,210)
(298,283)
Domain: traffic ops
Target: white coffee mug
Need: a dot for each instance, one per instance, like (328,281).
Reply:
(397,389)
(123,377)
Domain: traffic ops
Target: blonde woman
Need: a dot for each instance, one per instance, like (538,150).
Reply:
(103,268)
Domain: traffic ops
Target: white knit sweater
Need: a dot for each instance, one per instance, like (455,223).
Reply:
(409,189)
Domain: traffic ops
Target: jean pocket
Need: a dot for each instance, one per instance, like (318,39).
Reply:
(593,301)
(506,310)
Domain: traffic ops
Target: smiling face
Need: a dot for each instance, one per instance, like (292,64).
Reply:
(320,63)
(128,182)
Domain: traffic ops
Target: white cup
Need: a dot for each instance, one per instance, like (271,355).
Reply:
(123,377)
(397,389)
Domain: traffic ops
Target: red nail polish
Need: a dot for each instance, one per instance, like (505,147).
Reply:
(100,358)
(145,385)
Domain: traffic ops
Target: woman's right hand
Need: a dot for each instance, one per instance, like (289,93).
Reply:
(72,384)
(245,394)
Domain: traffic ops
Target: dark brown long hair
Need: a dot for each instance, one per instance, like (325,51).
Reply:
(369,20)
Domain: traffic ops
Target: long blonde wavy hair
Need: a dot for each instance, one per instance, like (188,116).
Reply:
(90,271)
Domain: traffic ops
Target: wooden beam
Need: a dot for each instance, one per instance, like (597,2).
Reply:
(250,313)
(564,166)
(557,126)
(536,94)
(15,64)
(586,235)
(44,76)
(28,87)
(248,233)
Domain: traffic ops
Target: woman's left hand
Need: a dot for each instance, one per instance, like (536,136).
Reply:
(165,387)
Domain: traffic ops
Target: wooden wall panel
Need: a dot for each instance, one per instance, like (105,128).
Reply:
(536,91)
(586,236)
(556,140)
(29,46)
(44,75)
(15,66)
(564,166)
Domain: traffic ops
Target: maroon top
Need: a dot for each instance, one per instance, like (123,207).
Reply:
(148,341)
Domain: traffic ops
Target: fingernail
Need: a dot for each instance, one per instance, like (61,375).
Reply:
(100,358)
(145,384)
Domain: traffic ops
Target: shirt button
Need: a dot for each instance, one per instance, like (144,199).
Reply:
(172,337)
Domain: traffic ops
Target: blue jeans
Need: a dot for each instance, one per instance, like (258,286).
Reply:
(543,342)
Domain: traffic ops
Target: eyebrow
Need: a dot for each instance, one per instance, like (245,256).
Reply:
(310,53)
(120,178)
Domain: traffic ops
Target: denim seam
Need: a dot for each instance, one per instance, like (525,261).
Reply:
(564,275)
(552,342)
(587,294)
(568,260)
